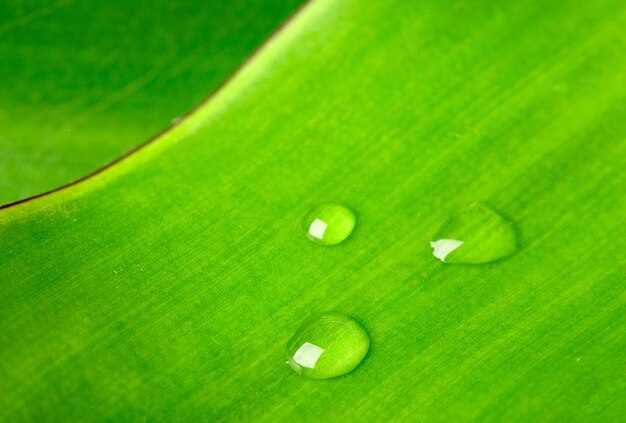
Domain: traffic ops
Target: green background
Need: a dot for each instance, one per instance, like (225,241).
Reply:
(83,82)
(167,287)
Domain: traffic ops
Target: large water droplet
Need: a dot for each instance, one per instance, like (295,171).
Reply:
(329,224)
(328,345)
(475,235)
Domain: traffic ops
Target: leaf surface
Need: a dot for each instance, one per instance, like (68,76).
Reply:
(168,286)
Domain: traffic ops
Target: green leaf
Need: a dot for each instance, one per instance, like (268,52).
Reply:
(168,286)
(82,82)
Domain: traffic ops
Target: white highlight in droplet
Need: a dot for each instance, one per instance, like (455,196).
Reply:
(317,228)
(443,247)
(307,355)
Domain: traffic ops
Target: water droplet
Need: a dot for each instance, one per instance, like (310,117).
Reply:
(329,224)
(475,235)
(328,345)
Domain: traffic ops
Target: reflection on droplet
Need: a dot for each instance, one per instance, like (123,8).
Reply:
(307,355)
(329,224)
(443,247)
(475,235)
(327,346)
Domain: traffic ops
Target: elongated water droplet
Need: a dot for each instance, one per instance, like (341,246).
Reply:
(475,235)
(329,224)
(327,346)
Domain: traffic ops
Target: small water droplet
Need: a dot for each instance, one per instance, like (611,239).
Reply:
(327,346)
(329,224)
(475,235)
